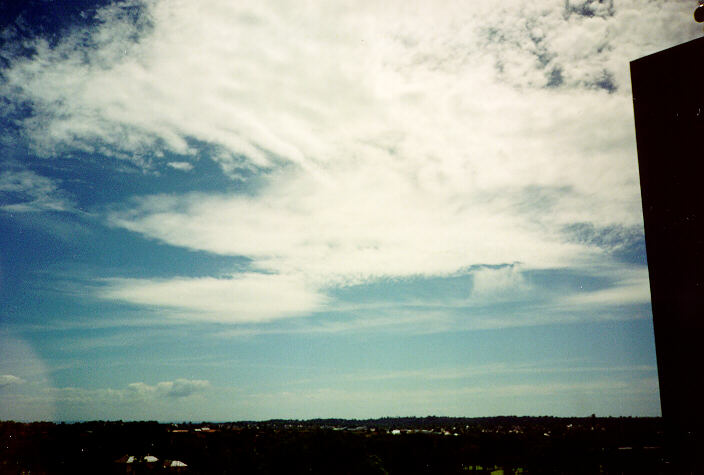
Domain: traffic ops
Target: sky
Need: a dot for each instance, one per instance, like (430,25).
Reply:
(250,210)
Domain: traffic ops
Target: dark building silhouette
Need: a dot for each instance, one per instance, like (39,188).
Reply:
(668,99)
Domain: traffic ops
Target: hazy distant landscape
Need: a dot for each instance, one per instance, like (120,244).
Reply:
(410,445)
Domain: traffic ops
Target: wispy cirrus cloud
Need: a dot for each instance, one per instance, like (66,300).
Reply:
(26,191)
(165,400)
(560,398)
(631,287)
(133,393)
(480,372)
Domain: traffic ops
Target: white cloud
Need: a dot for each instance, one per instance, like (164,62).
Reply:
(328,83)
(307,84)
(494,283)
(27,191)
(179,388)
(183,166)
(241,298)
(9,379)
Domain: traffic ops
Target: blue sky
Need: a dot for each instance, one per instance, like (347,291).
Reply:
(251,210)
